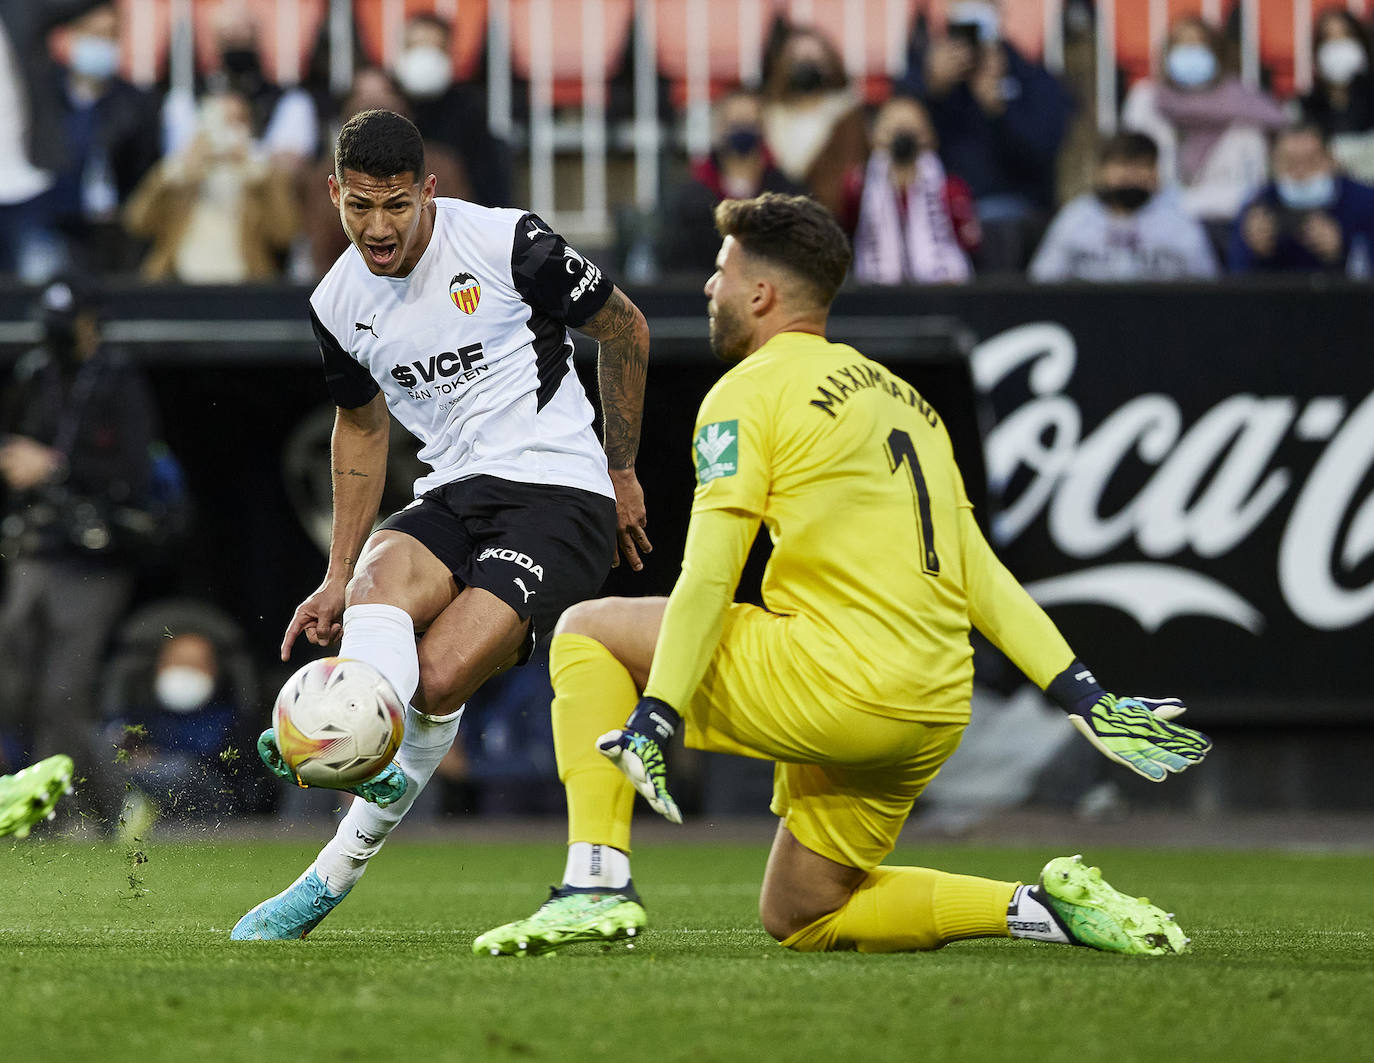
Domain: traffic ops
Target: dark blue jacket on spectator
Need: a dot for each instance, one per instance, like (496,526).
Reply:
(1353,211)
(1014,153)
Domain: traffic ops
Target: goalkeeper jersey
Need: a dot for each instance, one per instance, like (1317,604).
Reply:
(875,551)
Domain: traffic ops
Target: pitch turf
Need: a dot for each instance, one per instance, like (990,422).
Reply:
(105,959)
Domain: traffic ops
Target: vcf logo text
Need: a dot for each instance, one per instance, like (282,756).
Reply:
(439,371)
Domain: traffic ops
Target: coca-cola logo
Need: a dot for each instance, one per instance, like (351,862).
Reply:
(1211,484)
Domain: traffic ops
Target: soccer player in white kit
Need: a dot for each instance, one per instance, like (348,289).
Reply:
(454,318)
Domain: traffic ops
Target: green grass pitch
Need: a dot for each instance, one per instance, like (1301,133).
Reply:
(105,959)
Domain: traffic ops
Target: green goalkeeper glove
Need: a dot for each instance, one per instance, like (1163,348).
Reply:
(1138,733)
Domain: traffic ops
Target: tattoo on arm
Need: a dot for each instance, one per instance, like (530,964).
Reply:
(350,472)
(622,370)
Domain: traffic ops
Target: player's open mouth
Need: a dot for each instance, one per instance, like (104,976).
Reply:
(381,254)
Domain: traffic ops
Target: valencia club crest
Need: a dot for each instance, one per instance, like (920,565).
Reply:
(465,292)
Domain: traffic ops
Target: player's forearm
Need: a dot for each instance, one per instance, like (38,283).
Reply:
(718,543)
(358,461)
(1002,610)
(622,369)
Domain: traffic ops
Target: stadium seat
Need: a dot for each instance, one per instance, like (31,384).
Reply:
(730,28)
(565,43)
(380,23)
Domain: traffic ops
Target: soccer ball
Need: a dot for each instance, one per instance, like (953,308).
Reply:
(338,722)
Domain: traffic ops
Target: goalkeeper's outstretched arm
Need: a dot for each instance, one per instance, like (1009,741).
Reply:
(1135,732)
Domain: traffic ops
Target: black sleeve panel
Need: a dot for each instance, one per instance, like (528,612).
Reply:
(552,277)
(350,385)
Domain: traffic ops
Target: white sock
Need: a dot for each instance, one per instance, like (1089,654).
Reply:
(363,830)
(384,637)
(596,865)
(1029,917)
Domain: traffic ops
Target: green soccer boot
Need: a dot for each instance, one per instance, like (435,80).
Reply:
(1094,914)
(29,796)
(568,917)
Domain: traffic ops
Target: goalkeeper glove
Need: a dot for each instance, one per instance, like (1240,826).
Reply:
(637,750)
(1138,733)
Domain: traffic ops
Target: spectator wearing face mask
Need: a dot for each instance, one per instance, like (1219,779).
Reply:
(738,167)
(1210,127)
(220,211)
(111,130)
(1341,102)
(1000,120)
(283,120)
(813,124)
(372,89)
(1126,229)
(1308,219)
(911,223)
(449,112)
(172,739)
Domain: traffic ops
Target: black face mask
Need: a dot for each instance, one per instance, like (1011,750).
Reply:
(741,140)
(904,148)
(806,77)
(59,340)
(241,62)
(1126,197)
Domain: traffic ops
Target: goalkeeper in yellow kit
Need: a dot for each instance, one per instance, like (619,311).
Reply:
(855,679)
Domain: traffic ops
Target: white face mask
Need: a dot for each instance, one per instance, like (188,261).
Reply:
(1190,65)
(1340,60)
(95,57)
(424,71)
(183,690)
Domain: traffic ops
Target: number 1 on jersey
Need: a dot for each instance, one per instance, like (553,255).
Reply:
(901,451)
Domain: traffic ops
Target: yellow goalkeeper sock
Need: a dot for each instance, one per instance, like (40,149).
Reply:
(902,909)
(592,694)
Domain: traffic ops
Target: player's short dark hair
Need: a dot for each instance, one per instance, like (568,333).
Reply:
(379,144)
(1128,147)
(794,232)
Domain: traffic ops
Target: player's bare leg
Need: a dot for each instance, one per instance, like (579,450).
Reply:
(800,887)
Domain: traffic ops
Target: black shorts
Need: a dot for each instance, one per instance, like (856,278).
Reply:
(538,547)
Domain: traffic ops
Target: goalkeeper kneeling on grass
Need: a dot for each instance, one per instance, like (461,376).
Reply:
(855,680)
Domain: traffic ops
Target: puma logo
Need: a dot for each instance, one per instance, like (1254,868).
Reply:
(358,326)
(523,589)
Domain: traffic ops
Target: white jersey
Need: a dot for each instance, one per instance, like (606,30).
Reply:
(472,349)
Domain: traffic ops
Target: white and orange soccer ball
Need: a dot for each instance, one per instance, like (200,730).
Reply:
(338,722)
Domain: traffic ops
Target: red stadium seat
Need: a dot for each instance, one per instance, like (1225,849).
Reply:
(564,38)
(730,27)
(380,23)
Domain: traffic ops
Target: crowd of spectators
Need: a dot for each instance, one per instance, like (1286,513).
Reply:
(957,174)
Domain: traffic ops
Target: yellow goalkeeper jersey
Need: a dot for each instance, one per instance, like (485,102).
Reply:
(875,551)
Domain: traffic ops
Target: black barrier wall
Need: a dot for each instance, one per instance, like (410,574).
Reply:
(1181,474)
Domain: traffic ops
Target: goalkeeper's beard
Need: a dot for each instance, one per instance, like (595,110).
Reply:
(728,335)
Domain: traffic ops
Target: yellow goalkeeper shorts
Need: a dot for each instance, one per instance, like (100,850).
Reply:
(845,779)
